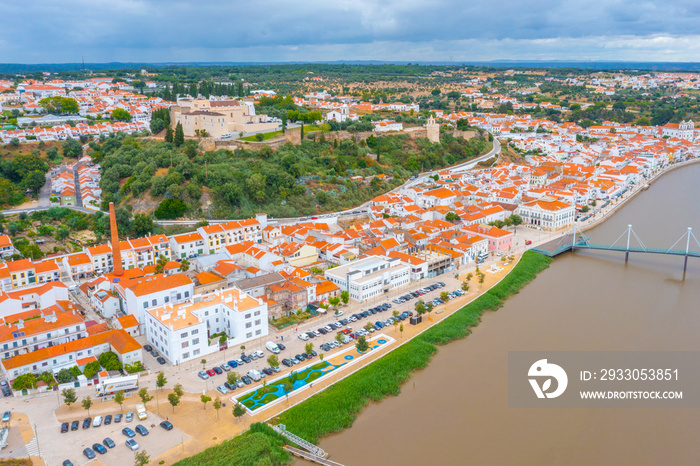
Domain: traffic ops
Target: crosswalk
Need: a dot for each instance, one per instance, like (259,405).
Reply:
(32,447)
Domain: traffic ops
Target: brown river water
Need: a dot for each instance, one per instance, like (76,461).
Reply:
(456,410)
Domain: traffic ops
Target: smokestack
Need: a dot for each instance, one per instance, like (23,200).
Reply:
(116,253)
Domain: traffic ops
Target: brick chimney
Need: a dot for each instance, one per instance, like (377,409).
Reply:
(116,252)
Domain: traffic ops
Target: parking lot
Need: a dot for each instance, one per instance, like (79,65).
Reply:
(70,445)
(322,332)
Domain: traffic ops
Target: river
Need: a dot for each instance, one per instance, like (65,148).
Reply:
(456,410)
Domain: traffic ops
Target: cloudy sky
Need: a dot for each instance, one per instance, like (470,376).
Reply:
(50,31)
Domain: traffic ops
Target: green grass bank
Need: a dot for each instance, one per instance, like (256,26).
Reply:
(336,408)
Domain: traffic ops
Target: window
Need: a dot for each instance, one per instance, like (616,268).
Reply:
(145,304)
(166,299)
(187,294)
(257,332)
(154,302)
(257,313)
(249,335)
(195,352)
(185,344)
(185,355)
(247,316)
(257,322)
(183,335)
(248,325)
(195,332)
(195,341)
(179,296)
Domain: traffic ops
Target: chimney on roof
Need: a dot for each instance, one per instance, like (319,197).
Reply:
(116,253)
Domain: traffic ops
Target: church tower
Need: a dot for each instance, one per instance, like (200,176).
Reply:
(433,130)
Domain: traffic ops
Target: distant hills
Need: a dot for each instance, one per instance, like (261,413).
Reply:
(10,68)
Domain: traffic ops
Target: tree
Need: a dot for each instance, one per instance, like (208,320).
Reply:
(334,301)
(339,338)
(401,330)
(465,286)
(62,234)
(452,217)
(420,308)
(169,136)
(179,137)
(203,361)
(174,400)
(87,404)
(309,347)
(24,381)
(120,114)
(59,105)
(273,361)
(178,390)
(142,225)
(481,278)
(64,376)
(141,458)
(435,92)
(34,180)
(119,398)
(184,265)
(239,411)
(217,406)
(429,307)
(161,380)
(516,220)
(110,361)
(287,388)
(345,297)
(145,397)
(69,396)
(170,209)
(362,344)
(205,399)
(232,377)
(157,125)
(469,276)
(444,296)
(71,148)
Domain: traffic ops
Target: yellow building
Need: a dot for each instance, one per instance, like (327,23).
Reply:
(218,117)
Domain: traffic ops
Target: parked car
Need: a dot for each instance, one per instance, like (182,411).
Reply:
(211,372)
(528,242)
(303,336)
(281,346)
(245,358)
(275,369)
(203,375)
(161,360)
(89,453)
(148,348)
(128,432)
(6,416)
(232,364)
(155,353)
(267,371)
(132,444)
(67,463)
(217,370)
(74,425)
(287,362)
(108,419)
(259,354)
(222,389)
(167,425)
(141,430)
(87,422)
(247,380)
(99,448)
(118,417)
(108,442)
(226,367)
(239,361)
(129,416)
(229,386)
(295,361)
(64,427)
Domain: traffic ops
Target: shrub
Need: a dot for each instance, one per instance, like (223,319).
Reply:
(110,361)
(91,369)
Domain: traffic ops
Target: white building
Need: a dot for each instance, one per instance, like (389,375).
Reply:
(181,331)
(368,278)
(547,213)
(137,295)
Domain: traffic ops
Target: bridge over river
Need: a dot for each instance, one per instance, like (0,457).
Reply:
(577,240)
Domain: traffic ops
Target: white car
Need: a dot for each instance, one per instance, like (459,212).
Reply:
(339,313)
(97,422)
(303,336)
(222,389)
(327,329)
(259,354)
